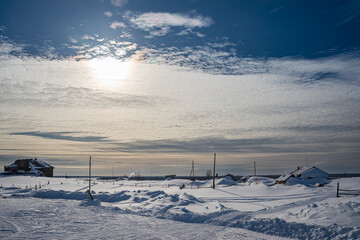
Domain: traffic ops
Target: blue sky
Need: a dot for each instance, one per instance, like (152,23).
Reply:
(258,28)
(153,85)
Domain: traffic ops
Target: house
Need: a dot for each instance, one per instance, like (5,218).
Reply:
(305,176)
(29,167)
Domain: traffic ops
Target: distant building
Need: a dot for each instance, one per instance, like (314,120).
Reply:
(171,176)
(231,176)
(29,167)
(304,175)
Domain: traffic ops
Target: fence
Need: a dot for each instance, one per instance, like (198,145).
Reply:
(343,192)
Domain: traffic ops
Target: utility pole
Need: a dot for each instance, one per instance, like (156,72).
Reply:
(214,171)
(192,173)
(112,172)
(90,174)
(254,168)
(89,190)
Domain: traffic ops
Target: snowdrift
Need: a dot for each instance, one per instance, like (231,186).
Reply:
(307,182)
(261,180)
(226,181)
(287,211)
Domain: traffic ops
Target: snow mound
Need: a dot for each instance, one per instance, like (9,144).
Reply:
(227,181)
(307,182)
(338,210)
(61,194)
(261,180)
(88,202)
(143,202)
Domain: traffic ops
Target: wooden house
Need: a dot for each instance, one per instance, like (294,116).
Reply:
(29,167)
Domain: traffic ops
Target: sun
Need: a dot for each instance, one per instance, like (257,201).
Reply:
(109,70)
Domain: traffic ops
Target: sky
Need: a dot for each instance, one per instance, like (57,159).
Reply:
(152,85)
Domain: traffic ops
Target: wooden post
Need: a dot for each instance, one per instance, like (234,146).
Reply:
(89,190)
(214,171)
(337,190)
(90,196)
(90,174)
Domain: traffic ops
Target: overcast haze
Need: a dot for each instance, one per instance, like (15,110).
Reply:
(153,85)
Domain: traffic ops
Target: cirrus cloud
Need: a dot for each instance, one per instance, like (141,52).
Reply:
(159,23)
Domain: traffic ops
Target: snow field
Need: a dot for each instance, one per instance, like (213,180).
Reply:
(258,206)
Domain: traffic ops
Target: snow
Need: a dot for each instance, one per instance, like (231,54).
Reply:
(306,182)
(257,209)
(261,180)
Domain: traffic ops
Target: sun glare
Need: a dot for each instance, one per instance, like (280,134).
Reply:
(110,70)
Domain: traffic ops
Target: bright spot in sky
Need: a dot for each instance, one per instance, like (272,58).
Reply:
(109,70)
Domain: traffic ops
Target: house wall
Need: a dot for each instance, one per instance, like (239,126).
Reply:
(23,164)
(48,172)
(10,169)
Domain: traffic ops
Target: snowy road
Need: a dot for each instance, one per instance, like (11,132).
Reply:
(67,219)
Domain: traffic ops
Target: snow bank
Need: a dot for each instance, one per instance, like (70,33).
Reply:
(187,208)
(261,180)
(306,182)
(326,212)
(226,181)
(279,227)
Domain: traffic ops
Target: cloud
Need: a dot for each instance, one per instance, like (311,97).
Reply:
(118,3)
(48,51)
(32,93)
(221,58)
(109,48)
(249,106)
(270,145)
(114,25)
(199,145)
(159,24)
(325,128)
(67,136)
(87,37)
(188,31)
(349,12)
(73,40)
(152,19)
(108,14)
(200,35)
(162,31)
(9,47)
(300,128)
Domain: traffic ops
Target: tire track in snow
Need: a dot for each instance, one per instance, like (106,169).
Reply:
(9,229)
(68,219)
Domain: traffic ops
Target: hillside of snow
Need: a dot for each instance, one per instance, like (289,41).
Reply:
(257,209)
